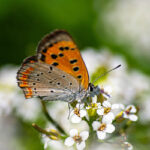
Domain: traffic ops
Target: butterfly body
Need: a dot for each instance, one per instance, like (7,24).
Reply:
(56,72)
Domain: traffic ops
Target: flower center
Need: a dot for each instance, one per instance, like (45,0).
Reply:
(107,110)
(77,112)
(128,110)
(102,127)
(94,105)
(77,139)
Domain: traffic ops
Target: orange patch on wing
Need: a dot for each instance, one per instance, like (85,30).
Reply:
(23,84)
(70,52)
(28,92)
(23,77)
(28,71)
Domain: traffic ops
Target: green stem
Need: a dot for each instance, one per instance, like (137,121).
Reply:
(40,129)
(59,128)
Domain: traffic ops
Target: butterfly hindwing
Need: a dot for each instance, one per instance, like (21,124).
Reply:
(46,81)
(58,49)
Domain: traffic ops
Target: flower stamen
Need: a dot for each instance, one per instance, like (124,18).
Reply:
(102,127)
(77,139)
(77,112)
(107,110)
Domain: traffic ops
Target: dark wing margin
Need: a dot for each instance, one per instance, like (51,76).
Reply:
(52,38)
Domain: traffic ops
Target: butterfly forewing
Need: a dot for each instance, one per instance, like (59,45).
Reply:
(59,50)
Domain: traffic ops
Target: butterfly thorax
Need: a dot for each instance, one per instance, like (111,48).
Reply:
(90,92)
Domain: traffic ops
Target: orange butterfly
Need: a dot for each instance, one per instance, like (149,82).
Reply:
(57,71)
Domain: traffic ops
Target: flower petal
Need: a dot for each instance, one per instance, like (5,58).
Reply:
(75,119)
(125,115)
(117,106)
(130,147)
(79,105)
(96,125)
(82,113)
(133,108)
(110,128)
(69,141)
(106,104)
(80,146)
(100,111)
(73,132)
(84,135)
(101,135)
(108,118)
(133,117)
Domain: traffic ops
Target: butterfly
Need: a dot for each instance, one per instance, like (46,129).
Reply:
(57,71)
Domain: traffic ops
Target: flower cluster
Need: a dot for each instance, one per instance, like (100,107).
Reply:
(101,117)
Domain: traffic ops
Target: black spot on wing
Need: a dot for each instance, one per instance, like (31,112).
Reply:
(61,48)
(43,58)
(44,50)
(61,54)
(79,76)
(76,68)
(73,61)
(55,64)
(54,56)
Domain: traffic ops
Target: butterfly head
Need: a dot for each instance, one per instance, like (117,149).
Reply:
(93,90)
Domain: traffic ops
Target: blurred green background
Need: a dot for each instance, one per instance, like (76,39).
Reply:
(23,23)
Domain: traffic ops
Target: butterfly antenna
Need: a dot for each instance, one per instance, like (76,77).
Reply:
(106,73)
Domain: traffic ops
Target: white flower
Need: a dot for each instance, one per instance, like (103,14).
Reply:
(129,113)
(102,128)
(45,140)
(78,138)
(128,145)
(106,111)
(94,104)
(78,113)
(52,144)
